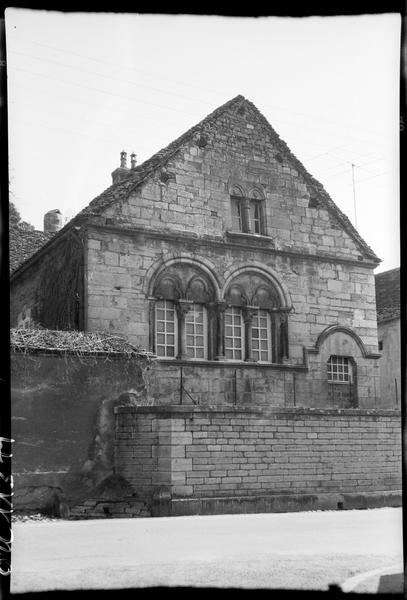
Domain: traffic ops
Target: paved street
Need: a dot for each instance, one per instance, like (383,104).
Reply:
(308,550)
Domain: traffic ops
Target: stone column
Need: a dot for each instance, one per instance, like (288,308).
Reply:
(182,307)
(284,336)
(248,318)
(151,325)
(246,215)
(220,323)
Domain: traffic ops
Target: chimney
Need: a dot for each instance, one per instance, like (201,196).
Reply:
(133,159)
(53,221)
(123,171)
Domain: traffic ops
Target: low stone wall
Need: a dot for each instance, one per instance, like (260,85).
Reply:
(204,460)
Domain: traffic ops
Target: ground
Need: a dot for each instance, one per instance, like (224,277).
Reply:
(305,550)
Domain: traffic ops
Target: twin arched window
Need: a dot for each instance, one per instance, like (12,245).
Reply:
(248,215)
(187,322)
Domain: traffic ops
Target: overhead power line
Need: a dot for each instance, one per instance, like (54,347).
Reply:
(87,87)
(206,89)
(127,81)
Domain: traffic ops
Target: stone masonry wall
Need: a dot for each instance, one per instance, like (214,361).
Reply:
(193,454)
(121,265)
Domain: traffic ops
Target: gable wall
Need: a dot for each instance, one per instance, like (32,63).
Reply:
(196,197)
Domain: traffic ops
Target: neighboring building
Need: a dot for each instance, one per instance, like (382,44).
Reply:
(223,257)
(388,331)
(25,241)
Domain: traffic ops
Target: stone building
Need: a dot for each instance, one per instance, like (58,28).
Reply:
(223,257)
(389,335)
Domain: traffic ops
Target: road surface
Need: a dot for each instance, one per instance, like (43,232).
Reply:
(307,550)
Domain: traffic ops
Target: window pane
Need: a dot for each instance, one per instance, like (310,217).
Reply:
(233,335)
(261,336)
(165,328)
(339,369)
(236,215)
(195,338)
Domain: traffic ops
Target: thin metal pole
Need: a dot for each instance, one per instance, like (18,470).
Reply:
(294,398)
(180,386)
(234,388)
(397,399)
(354,194)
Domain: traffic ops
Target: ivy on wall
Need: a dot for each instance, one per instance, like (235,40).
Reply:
(59,298)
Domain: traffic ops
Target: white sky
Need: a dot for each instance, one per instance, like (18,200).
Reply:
(84,86)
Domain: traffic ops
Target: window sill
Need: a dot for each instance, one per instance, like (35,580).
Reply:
(253,237)
(230,364)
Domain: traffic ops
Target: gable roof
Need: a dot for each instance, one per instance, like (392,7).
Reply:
(388,295)
(24,243)
(140,173)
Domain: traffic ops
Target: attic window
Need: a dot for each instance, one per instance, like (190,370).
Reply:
(313,202)
(380,345)
(247,213)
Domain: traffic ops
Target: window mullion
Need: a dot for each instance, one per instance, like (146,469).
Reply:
(248,319)
(182,308)
(246,215)
(220,320)
(152,326)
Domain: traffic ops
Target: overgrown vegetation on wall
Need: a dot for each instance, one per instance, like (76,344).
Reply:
(59,296)
(26,340)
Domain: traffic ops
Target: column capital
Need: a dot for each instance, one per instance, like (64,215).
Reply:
(220,306)
(182,307)
(248,314)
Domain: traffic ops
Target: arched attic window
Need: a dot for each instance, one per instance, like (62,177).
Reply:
(181,315)
(255,322)
(248,213)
